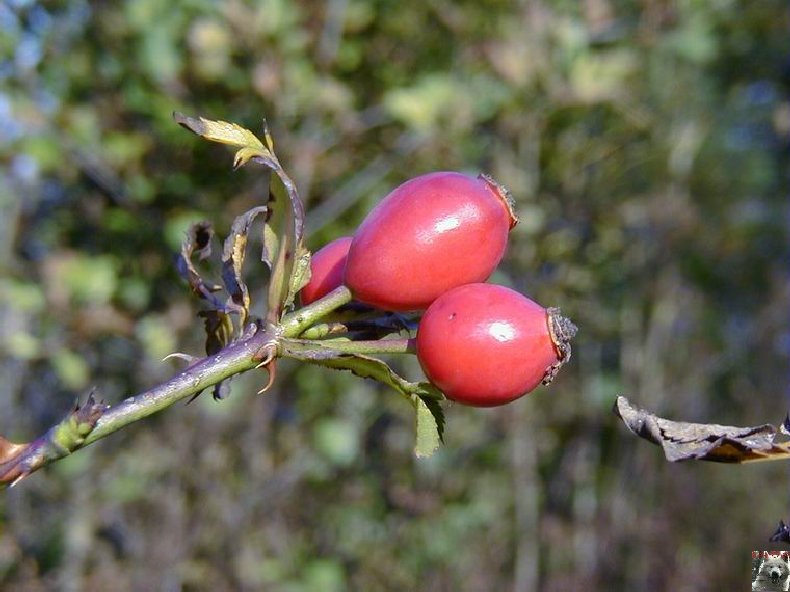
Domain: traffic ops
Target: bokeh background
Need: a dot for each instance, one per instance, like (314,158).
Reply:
(646,143)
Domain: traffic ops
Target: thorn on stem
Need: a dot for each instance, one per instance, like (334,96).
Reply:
(271,369)
(179,356)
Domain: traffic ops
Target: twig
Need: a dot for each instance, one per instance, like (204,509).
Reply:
(93,421)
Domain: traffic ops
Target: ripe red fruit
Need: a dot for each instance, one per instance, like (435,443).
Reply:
(431,234)
(326,269)
(486,345)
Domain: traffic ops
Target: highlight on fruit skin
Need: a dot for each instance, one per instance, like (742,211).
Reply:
(429,235)
(327,266)
(486,345)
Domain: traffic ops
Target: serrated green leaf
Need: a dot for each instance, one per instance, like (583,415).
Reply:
(424,396)
(429,427)
(219,131)
(233,256)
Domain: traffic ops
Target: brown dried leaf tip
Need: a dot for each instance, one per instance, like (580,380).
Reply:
(562,331)
(699,441)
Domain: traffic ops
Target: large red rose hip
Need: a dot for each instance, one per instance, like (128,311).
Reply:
(326,269)
(431,234)
(486,345)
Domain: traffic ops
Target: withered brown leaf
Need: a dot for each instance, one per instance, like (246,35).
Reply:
(700,441)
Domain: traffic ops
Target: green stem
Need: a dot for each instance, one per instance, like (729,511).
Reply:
(346,346)
(323,330)
(81,429)
(294,323)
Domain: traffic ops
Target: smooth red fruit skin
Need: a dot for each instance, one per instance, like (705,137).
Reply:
(431,234)
(326,269)
(485,345)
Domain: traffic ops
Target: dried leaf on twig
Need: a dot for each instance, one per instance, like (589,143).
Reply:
(283,245)
(233,255)
(698,441)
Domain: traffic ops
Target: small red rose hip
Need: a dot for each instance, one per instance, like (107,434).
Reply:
(326,269)
(485,345)
(431,234)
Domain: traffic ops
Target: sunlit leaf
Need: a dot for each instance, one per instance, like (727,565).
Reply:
(219,131)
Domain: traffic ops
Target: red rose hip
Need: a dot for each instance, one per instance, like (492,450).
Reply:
(431,234)
(326,269)
(485,345)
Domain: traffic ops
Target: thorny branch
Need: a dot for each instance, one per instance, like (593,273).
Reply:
(94,420)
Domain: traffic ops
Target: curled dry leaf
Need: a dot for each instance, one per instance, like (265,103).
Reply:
(700,441)
(197,244)
(283,245)
(233,255)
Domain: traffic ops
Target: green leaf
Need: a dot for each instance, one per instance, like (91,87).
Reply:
(283,245)
(423,396)
(429,420)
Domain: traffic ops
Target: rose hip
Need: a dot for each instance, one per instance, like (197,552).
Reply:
(431,234)
(485,345)
(326,269)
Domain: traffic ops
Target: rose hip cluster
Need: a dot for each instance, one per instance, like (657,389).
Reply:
(428,246)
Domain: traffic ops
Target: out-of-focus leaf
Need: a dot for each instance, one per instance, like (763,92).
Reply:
(233,255)
(697,441)
(423,396)
(283,246)
(782,534)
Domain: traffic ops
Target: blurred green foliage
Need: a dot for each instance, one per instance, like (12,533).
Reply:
(646,144)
